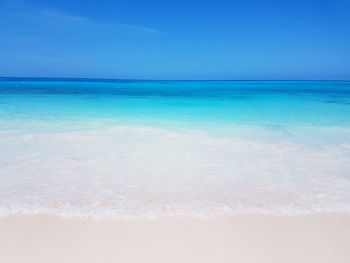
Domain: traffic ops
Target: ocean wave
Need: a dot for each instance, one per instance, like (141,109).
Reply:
(144,171)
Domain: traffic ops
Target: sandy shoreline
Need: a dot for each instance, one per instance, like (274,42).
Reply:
(241,238)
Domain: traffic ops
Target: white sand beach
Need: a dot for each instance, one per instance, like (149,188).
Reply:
(174,131)
(241,238)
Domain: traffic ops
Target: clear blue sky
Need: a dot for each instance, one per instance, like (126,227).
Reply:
(182,39)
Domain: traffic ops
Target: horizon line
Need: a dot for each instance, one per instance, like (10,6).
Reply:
(142,79)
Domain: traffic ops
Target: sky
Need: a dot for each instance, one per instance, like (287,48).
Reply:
(182,39)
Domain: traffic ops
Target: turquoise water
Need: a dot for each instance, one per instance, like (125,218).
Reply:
(282,110)
(191,102)
(126,148)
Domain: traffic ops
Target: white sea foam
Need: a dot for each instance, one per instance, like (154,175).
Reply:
(134,171)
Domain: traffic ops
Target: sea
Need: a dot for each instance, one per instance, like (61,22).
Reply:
(106,148)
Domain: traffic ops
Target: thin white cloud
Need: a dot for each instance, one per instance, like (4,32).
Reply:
(48,14)
(28,10)
(140,28)
(60,15)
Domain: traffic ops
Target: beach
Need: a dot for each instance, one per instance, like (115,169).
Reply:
(166,171)
(241,238)
(174,131)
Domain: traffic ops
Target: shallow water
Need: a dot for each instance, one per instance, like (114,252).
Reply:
(198,148)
